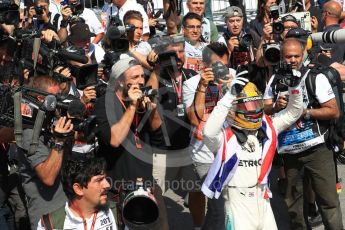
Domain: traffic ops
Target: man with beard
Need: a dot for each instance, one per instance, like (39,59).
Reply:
(85,185)
(171,159)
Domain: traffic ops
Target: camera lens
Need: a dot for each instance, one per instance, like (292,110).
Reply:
(278,28)
(272,53)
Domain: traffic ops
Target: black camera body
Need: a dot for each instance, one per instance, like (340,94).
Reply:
(274,12)
(39,10)
(9,13)
(283,71)
(220,71)
(277,27)
(76,8)
(148,91)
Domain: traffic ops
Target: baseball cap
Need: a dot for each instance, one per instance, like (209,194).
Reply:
(298,33)
(233,11)
(80,32)
(122,65)
(289,18)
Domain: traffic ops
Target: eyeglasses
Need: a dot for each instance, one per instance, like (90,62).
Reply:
(193,27)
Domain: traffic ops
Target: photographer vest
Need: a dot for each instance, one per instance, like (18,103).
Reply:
(304,134)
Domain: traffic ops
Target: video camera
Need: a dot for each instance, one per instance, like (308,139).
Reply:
(9,13)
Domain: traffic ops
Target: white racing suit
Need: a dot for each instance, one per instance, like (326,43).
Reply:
(239,172)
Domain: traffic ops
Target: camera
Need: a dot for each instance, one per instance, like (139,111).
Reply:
(220,71)
(139,207)
(271,52)
(39,10)
(274,12)
(76,8)
(148,91)
(9,13)
(86,126)
(277,27)
(283,71)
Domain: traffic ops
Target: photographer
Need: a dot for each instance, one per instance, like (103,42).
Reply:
(172,140)
(85,185)
(137,47)
(308,153)
(39,17)
(201,93)
(40,171)
(125,148)
(235,29)
(76,12)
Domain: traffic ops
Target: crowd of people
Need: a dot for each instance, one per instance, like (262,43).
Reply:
(129,106)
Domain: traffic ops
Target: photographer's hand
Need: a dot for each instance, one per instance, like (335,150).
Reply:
(232,43)
(267,31)
(152,22)
(134,94)
(49,35)
(66,12)
(314,24)
(206,77)
(89,93)
(31,12)
(281,103)
(152,58)
(62,129)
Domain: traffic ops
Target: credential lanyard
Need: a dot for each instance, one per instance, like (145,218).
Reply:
(77,209)
(135,123)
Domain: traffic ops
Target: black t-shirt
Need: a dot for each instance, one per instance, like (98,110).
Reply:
(125,162)
(177,127)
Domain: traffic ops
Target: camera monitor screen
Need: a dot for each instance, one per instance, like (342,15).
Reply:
(86,75)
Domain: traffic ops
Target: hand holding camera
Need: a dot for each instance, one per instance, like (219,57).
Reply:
(66,12)
(207,76)
(134,94)
(63,129)
(232,43)
(89,94)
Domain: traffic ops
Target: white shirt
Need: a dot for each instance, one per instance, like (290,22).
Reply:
(199,151)
(104,220)
(143,47)
(98,50)
(193,56)
(55,8)
(131,5)
(92,21)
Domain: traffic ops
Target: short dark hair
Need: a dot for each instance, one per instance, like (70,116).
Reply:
(190,16)
(217,48)
(39,1)
(80,171)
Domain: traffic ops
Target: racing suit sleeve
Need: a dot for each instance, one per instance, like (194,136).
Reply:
(286,117)
(213,128)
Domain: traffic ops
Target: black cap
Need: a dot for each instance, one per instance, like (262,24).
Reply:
(299,33)
(80,32)
(289,18)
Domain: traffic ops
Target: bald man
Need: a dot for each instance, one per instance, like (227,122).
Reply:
(331,13)
(303,144)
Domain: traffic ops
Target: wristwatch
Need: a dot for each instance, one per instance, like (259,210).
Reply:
(58,146)
(307,115)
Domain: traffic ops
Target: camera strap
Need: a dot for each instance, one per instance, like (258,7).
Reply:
(18,124)
(135,124)
(36,133)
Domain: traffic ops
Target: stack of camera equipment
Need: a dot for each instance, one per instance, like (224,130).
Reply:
(272,49)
